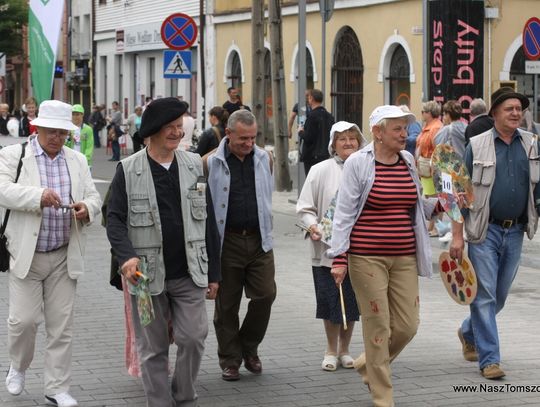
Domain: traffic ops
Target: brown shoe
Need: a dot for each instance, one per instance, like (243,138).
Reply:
(468,349)
(230,374)
(253,364)
(493,372)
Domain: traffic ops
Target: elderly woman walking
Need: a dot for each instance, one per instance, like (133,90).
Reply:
(318,194)
(380,237)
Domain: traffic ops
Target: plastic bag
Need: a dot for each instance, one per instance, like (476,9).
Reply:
(145,306)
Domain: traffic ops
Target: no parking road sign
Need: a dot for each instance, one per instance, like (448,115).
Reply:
(179,31)
(531,38)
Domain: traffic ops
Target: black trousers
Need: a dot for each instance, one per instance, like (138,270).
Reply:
(244,266)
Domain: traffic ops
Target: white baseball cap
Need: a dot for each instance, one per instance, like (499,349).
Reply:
(54,114)
(388,112)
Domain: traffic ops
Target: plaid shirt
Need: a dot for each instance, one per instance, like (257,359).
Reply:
(54,174)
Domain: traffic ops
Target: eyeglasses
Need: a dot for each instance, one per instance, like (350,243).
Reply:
(60,133)
(537,157)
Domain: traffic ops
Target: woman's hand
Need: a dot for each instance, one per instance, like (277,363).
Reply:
(314,232)
(339,274)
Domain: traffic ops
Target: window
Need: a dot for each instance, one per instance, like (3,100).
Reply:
(398,80)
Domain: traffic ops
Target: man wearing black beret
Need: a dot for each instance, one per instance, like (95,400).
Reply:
(505,171)
(161,211)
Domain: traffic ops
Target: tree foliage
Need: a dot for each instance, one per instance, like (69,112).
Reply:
(13,15)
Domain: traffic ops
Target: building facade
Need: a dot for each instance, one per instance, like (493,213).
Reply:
(129,58)
(375,52)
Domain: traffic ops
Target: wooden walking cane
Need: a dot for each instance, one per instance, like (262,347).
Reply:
(342,307)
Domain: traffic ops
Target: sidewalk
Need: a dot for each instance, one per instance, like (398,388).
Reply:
(292,351)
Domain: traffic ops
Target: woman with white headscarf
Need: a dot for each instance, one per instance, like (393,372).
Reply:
(318,194)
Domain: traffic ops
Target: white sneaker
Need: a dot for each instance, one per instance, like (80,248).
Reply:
(446,238)
(61,400)
(14,381)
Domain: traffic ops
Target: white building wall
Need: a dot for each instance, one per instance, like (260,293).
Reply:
(137,19)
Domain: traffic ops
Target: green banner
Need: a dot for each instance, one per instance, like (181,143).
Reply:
(45,18)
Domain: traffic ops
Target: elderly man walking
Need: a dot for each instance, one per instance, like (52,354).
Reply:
(241,181)
(50,204)
(505,172)
(159,210)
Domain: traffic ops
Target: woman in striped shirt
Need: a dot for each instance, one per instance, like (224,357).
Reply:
(380,236)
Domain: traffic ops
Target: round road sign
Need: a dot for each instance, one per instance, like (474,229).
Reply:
(179,31)
(531,38)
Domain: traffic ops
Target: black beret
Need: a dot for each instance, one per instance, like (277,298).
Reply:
(159,113)
(506,92)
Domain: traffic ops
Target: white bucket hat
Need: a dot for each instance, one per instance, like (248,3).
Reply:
(54,114)
(389,112)
(340,127)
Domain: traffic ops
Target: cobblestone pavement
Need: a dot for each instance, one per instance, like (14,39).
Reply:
(423,375)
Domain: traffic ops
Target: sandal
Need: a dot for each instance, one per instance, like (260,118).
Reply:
(329,363)
(346,361)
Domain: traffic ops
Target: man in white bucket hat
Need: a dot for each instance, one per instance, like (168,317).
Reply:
(51,203)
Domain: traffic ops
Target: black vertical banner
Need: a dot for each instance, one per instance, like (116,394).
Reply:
(456,51)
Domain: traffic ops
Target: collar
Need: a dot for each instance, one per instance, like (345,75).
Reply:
(497,135)
(38,150)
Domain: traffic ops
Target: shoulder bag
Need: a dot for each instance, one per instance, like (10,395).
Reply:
(4,253)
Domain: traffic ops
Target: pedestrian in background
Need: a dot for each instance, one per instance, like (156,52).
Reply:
(30,112)
(188,127)
(505,171)
(181,248)
(98,123)
(210,138)
(425,144)
(82,138)
(240,178)
(413,130)
(315,134)
(453,131)
(479,120)
(317,196)
(133,126)
(4,118)
(235,101)
(46,243)
(380,238)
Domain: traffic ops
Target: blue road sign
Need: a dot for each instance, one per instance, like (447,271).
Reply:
(176,64)
(179,31)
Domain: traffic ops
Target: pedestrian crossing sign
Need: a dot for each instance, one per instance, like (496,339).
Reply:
(176,64)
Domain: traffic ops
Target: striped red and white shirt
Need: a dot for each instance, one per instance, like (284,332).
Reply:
(385,226)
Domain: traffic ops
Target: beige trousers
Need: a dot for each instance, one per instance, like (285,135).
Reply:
(386,290)
(46,292)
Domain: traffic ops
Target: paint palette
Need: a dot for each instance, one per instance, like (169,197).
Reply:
(459,279)
(450,177)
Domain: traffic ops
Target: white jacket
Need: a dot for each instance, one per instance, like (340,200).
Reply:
(24,198)
(318,191)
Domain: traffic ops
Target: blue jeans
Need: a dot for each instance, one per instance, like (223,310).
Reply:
(496,261)
(115,147)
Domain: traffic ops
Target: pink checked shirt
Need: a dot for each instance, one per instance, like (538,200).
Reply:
(54,174)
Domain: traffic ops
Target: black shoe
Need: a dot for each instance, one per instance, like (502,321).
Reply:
(113,159)
(253,364)
(230,374)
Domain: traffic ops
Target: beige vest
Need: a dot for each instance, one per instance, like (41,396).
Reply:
(144,223)
(483,178)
